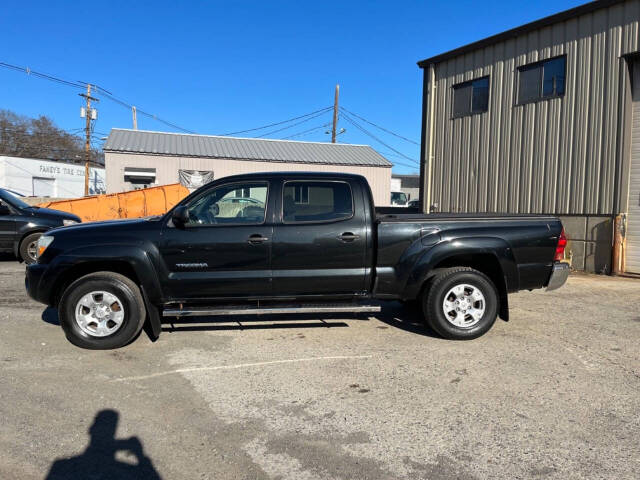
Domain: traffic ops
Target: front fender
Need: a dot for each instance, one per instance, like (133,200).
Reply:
(137,256)
(465,246)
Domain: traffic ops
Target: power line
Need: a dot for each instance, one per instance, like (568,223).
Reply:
(378,126)
(129,106)
(37,136)
(396,162)
(83,85)
(31,130)
(366,132)
(391,154)
(307,131)
(28,71)
(292,125)
(275,124)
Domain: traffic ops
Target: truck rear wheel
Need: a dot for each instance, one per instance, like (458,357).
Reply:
(461,304)
(101,311)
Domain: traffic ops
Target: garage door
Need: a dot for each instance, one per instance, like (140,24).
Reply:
(632,259)
(43,187)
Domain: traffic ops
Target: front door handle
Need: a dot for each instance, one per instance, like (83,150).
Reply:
(348,237)
(256,239)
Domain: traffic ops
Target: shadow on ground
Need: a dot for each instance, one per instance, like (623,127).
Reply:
(393,314)
(106,456)
(405,317)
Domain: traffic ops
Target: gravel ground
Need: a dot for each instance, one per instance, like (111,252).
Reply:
(553,393)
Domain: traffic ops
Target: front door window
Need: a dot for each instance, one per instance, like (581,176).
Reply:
(233,204)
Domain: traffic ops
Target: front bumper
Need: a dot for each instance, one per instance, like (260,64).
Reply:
(559,275)
(32,283)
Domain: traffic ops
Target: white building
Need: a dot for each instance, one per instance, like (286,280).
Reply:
(42,178)
(138,159)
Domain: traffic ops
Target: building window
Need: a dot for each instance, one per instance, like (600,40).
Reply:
(139,177)
(471,97)
(541,80)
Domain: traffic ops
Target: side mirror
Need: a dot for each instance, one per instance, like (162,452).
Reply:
(180,216)
(4,210)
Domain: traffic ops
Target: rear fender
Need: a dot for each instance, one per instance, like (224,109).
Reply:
(446,253)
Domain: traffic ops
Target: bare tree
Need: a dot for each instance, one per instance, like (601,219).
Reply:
(21,136)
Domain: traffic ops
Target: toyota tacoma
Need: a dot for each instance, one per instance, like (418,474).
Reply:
(277,243)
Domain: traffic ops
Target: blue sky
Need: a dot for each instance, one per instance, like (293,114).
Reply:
(221,66)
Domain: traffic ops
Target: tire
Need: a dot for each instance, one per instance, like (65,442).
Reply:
(476,309)
(28,247)
(102,311)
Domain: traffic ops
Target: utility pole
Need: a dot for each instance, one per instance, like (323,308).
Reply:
(335,115)
(89,115)
(135,118)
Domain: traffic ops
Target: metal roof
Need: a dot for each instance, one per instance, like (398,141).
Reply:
(514,32)
(255,149)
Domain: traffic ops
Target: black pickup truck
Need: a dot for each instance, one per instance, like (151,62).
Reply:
(21,225)
(276,243)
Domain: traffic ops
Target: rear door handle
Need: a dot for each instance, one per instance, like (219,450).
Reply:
(348,237)
(256,239)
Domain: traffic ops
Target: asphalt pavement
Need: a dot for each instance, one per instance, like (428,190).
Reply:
(553,393)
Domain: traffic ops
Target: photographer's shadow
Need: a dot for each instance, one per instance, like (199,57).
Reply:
(99,460)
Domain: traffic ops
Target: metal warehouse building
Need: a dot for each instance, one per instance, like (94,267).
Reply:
(544,118)
(136,159)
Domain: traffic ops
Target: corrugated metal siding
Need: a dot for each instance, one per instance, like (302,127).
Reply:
(632,258)
(552,156)
(162,143)
(167,167)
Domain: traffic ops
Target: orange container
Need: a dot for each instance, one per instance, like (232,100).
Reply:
(134,204)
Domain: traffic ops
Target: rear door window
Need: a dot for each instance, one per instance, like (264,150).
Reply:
(316,201)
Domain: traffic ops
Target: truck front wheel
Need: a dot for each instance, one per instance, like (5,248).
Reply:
(461,304)
(101,311)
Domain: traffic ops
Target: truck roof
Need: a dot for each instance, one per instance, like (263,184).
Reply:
(295,174)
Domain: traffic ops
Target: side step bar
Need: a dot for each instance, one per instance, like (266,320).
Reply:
(211,311)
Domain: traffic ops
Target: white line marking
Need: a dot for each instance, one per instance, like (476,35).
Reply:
(242,365)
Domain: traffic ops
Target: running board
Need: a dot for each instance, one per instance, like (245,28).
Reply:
(209,311)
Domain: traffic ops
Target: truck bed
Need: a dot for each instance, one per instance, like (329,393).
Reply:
(399,214)
(521,244)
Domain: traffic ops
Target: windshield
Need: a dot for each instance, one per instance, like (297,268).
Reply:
(12,199)
(398,198)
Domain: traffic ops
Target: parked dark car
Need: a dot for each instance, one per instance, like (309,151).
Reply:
(21,225)
(306,242)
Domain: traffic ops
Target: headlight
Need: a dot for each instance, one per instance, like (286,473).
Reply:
(67,222)
(43,242)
